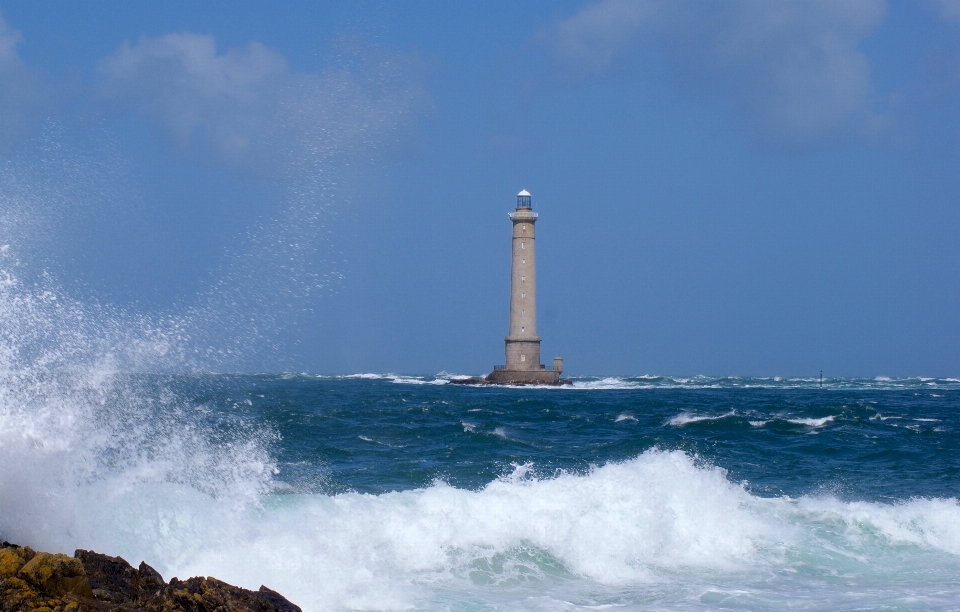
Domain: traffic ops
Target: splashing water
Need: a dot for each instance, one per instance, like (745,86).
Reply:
(95,457)
(373,492)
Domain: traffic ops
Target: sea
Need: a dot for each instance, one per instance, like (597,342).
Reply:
(405,492)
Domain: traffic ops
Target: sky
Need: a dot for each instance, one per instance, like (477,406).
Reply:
(736,187)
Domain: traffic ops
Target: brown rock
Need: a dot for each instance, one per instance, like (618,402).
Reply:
(11,560)
(56,574)
(93,582)
(212,595)
(111,578)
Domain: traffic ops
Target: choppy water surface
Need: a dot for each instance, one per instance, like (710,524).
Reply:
(406,492)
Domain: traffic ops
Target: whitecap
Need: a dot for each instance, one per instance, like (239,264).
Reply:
(610,382)
(412,380)
(686,418)
(812,422)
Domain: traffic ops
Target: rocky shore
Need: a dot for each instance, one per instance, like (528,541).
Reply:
(91,582)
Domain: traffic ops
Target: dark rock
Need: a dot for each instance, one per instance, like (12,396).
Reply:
(111,578)
(279,602)
(212,595)
(93,582)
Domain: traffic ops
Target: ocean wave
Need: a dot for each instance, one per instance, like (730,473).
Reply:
(686,418)
(775,382)
(649,381)
(659,519)
(809,422)
(662,522)
(96,459)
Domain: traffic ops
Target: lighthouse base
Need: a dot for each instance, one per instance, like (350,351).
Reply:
(524,377)
(517,378)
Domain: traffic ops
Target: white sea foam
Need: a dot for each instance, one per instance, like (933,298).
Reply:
(408,380)
(418,380)
(686,418)
(625,417)
(813,422)
(621,524)
(661,524)
(928,523)
(94,459)
(610,382)
(658,522)
(646,381)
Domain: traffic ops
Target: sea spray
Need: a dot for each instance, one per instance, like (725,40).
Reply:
(663,528)
(659,526)
(96,457)
(620,524)
(362,493)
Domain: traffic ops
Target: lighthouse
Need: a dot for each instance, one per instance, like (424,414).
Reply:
(522,364)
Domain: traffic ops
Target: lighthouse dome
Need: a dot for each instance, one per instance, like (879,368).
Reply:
(523,199)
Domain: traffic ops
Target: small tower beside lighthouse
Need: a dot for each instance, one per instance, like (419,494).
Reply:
(522,364)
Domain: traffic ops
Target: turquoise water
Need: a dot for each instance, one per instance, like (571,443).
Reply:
(388,492)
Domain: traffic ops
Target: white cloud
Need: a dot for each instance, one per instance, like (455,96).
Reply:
(181,80)
(247,106)
(594,36)
(250,106)
(948,10)
(9,40)
(790,70)
(19,89)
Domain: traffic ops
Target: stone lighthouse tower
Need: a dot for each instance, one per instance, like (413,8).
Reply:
(522,343)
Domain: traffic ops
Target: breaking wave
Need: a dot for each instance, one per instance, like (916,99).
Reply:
(96,457)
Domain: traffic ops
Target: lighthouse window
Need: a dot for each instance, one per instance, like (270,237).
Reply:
(523,278)
(522,328)
(523,311)
(523,295)
(523,357)
(524,260)
(523,245)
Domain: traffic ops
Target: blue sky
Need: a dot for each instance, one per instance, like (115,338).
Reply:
(730,188)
